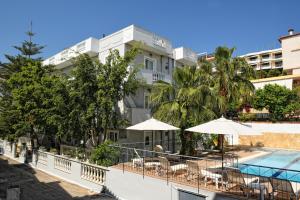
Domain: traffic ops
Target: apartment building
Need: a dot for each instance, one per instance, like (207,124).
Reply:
(286,58)
(158,58)
(262,60)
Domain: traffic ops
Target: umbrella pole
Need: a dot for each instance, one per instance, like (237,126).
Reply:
(222,143)
(152,141)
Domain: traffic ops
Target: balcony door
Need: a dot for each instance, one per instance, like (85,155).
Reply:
(150,63)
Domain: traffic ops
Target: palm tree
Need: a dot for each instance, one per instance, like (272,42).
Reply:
(232,83)
(187,101)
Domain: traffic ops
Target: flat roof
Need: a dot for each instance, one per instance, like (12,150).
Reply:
(261,52)
(288,36)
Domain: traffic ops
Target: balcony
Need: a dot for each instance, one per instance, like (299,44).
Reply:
(266,58)
(185,56)
(63,59)
(266,66)
(252,61)
(152,76)
(135,35)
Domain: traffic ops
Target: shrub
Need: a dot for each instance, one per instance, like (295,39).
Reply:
(53,150)
(42,148)
(274,72)
(247,117)
(105,154)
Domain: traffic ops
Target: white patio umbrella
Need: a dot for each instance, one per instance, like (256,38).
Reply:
(224,126)
(152,125)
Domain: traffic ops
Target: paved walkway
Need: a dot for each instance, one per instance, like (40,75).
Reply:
(37,185)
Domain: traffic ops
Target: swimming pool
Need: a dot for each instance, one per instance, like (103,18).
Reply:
(278,164)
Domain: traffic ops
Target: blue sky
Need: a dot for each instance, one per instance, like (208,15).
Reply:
(201,25)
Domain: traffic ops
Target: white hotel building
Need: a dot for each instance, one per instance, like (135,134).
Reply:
(158,58)
(286,58)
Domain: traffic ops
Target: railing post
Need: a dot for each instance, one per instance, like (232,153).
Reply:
(167,175)
(143,167)
(198,180)
(124,162)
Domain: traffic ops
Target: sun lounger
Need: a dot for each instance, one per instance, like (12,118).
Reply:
(165,167)
(246,182)
(289,187)
(139,162)
(195,171)
(215,177)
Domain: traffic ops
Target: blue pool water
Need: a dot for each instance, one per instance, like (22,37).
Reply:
(278,164)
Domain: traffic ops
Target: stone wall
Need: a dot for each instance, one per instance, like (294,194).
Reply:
(273,140)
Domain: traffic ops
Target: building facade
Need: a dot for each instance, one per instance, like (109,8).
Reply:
(158,59)
(262,60)
(286,58)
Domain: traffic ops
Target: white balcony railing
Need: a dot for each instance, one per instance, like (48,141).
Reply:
(89,46)
(278,67)
(266,67)
(8,147)
(93,173)
(42,158)
(152,76)
(62,164)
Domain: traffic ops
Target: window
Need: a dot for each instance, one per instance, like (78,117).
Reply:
(278,55)
(254,58)
(149,63)
(278,64)
(147,140)
(122,134)
(113,136)
(146,100)
(265,64)
(265,56)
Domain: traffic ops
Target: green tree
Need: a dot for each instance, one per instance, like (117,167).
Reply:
(83,98)
(39,100)
(278,100)
(115,82)
(232,84)
(105,154)
(95,90)
(232,78)
(185,102)
(27,52)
